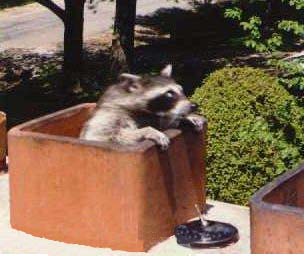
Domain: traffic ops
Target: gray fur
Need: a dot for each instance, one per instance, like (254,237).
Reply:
(122,115)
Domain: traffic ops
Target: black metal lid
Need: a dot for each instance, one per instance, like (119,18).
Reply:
(213,234)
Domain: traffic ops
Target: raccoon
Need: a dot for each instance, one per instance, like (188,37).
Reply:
(139,108)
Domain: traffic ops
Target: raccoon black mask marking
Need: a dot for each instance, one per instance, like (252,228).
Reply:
(163,102)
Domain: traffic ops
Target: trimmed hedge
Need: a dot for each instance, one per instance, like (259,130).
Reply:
(255,131)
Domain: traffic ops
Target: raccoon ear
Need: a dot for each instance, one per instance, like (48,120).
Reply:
(129,82)
(167,71)
(127,76)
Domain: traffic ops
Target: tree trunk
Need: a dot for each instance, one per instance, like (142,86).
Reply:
(123,43)
(73,44)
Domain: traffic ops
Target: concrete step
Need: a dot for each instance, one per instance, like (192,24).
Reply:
(13,241)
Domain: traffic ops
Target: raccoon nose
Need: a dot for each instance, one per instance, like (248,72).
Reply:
(194,107)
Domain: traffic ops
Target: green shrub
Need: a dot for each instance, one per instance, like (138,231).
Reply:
(268,25)
(291,75)
(255,131)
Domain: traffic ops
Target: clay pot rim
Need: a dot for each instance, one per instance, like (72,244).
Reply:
(21,130)
(257,199)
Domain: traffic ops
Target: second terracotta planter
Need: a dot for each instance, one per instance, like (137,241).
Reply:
(2,141)
(277,215)
(77,191)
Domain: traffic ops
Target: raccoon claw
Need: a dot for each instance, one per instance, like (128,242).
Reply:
(164,143)
(197,122)
(160,139)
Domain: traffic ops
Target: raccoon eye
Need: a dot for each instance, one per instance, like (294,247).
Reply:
(170,94)
(164,102)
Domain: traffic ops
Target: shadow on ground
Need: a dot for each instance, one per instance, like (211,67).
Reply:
(31,83)
(196,41)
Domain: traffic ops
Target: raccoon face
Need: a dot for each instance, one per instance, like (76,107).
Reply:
(158,95)
(170,101)
(166,98)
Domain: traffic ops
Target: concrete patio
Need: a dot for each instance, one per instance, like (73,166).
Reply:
(13,241)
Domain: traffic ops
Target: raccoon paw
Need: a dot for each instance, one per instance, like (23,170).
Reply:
(196,121)
(159,138)
(164,142)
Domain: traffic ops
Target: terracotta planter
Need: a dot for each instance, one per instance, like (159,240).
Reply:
(277,215)
(77,191)
(2,141)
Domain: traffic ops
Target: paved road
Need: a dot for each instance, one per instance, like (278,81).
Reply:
(33,26)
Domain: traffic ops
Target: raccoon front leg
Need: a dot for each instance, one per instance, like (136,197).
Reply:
(196,121)
(147,133)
